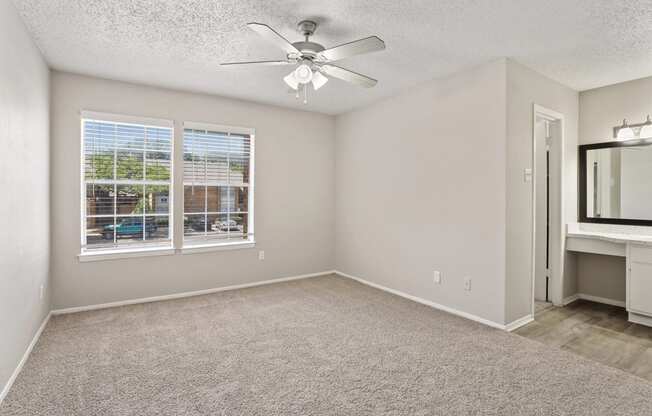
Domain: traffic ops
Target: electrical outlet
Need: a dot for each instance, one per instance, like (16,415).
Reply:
(41,292)
(467,284)
(437,277)
(261,255)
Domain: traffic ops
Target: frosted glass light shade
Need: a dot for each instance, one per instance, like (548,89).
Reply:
(303,74)
(291,81)
(625,133)
(646,132)
(318,80)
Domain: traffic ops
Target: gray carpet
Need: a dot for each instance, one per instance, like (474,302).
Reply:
(321,346)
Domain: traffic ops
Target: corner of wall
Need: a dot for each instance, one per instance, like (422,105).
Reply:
(526,87)
(25,108)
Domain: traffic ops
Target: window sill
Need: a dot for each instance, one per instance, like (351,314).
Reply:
(206,248)
(88,256)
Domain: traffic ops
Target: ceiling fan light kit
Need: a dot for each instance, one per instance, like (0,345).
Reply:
(303,73)
(312,60)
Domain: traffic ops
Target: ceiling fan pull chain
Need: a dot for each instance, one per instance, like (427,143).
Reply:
(305,93)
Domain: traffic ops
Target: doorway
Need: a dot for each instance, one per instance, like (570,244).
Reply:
(547,208)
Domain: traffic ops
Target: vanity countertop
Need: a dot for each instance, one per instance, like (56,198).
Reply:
(576,230)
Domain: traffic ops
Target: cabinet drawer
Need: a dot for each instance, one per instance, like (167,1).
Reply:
(640,253)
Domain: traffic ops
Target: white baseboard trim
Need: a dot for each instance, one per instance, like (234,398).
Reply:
(23,360)
(640,319)
(599,299)
(426,302)
(185,294)
(592,298)
(514,325)
(570,299)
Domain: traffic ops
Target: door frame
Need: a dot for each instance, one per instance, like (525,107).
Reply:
(557,231)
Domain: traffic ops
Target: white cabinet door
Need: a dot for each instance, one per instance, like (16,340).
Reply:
(639,280)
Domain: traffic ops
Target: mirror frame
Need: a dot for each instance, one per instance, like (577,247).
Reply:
(582,208)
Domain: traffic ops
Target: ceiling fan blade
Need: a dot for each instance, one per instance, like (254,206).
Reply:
(357,47)
(259,63)
(348,76)
(274,37)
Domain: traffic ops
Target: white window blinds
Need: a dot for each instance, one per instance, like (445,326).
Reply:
(126,182)
(218,185)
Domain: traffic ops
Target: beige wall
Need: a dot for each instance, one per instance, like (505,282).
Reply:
(603,108)
(24,186)
(294,196)
(601,276)
(412,173)
(600,110)
(420,182)
(524,89)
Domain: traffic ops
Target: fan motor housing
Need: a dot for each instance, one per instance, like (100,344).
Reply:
(308,49)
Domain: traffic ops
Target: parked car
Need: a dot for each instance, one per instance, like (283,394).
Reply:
(128,227)
(199,224)
(229,225)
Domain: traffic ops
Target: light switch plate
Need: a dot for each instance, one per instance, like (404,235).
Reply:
(467,284)
(527,175)
(437,277)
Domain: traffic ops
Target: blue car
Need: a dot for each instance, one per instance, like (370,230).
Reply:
(129,227)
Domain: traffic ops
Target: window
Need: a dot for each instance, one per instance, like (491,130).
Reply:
(126,182)
(217,185)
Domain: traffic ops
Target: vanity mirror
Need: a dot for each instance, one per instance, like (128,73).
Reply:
(615,182)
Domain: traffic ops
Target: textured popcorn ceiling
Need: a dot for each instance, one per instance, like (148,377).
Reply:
(179,43)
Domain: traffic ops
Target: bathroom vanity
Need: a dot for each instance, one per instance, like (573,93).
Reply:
(615,214)
(633,243)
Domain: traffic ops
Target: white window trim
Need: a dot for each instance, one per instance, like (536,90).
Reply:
(91,255)
(207,248)
(87,254)
(190,248)
(126,119)
(97,255)
(219,128)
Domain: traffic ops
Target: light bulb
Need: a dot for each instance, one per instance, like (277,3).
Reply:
(291,81)
(303,74)
(625,132)
(318,80)
(646,130)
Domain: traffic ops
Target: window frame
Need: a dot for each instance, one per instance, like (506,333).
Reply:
(87,254)
(250,241)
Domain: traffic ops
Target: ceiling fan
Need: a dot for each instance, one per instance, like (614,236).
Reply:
(312,60)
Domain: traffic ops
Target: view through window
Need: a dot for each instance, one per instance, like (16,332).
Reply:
(126,184)
(217,183)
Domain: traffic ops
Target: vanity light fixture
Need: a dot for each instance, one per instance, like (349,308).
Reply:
(646,130)
(625,132)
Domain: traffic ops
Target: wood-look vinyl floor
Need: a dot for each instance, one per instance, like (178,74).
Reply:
(595,331)
(540,306)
